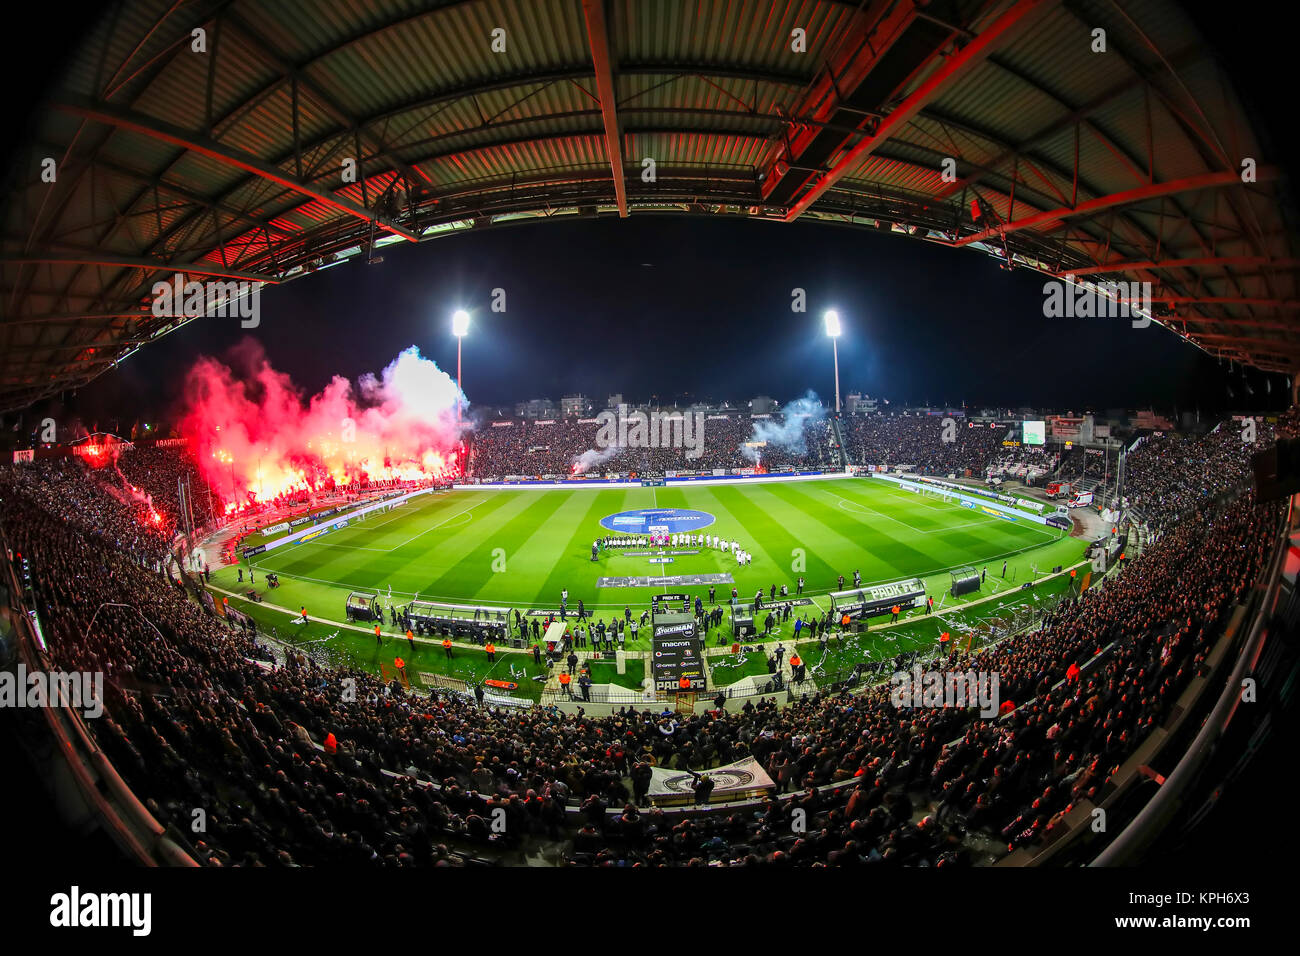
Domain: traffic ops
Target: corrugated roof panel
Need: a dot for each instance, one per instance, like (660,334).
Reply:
(750,32)
(519,132)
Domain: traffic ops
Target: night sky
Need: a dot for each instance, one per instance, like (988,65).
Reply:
(677,307)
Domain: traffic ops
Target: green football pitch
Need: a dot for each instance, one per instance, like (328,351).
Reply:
(520,548)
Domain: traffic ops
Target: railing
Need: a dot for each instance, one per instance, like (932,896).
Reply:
(1147,823)
(129,823)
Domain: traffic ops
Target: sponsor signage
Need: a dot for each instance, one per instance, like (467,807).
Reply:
(676,653)
(255,550)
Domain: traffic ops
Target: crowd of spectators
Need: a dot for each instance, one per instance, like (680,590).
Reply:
(96,502)
(919,443)
(1168,475)
(566,446)
(158,471)
(288,760)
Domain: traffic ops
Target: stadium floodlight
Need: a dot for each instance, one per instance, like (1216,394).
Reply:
(459,328)
(833,330)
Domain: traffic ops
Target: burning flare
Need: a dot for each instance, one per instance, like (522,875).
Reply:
(257,437)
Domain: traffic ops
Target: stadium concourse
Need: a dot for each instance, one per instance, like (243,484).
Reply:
(300,764)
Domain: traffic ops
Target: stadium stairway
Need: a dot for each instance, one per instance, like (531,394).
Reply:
(842,455)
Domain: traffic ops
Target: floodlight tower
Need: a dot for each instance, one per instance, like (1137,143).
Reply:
(459,328)
(833,330)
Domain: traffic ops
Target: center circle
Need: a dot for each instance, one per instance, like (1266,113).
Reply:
(643,519)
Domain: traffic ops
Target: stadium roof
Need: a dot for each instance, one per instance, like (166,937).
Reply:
(226,162)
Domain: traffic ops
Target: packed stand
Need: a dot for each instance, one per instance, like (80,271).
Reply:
(288,759)
(570,446)
(1167,476)
(917,443)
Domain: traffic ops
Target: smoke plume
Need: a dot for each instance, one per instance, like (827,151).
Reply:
(256,435)
(788,432)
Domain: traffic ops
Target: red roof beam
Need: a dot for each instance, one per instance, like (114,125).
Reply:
(1153,191)
(1200,262)
(865,42)
(953,68)
(598,40)
(164,132)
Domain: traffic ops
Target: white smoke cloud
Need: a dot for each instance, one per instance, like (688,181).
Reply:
(592,458)
(788,433)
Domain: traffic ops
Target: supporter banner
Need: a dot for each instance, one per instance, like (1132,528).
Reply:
(21,456)
(545,421)
(502,424)
(742,780)
(170,442)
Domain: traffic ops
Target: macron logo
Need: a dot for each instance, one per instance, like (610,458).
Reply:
(77,909)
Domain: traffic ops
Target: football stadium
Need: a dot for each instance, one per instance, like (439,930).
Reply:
(502,435)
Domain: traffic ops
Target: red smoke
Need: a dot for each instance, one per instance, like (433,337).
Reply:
(257,436)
